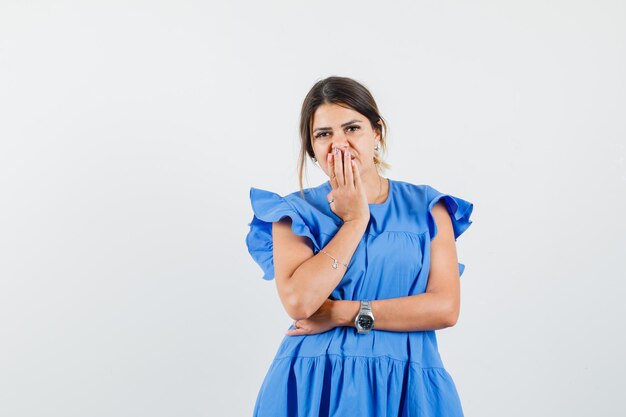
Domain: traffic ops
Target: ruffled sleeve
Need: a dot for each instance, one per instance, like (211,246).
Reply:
(459,209)
(269,207)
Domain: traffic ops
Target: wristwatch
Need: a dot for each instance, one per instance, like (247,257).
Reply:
(364,321)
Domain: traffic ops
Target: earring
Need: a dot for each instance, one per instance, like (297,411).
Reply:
(314,159)
(377,148)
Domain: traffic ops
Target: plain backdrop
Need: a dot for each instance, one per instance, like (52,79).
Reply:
(132,131)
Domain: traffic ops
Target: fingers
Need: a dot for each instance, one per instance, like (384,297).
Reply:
(338,165)
(349,167)
(331,167)
(357,176)
(296,330)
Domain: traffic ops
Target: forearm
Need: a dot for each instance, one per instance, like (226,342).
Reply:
(425,311)
(315,279)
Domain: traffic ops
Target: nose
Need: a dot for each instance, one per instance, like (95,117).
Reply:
(340,141)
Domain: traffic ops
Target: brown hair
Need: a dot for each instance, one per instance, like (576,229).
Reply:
(345,92)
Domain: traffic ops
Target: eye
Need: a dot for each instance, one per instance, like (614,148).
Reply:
(323,134)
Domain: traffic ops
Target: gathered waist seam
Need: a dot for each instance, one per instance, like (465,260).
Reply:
(358,356)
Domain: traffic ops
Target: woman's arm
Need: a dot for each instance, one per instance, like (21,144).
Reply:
(404,314)
(437,308)
(305,280)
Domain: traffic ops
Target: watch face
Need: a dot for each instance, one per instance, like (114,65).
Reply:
(365,322)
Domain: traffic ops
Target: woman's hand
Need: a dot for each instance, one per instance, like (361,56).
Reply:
(349,200)
(321,321)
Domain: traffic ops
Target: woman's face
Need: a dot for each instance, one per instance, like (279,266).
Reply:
(344,128)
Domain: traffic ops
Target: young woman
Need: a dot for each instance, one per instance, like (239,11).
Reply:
(367,268)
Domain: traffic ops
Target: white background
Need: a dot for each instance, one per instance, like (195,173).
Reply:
(131,132)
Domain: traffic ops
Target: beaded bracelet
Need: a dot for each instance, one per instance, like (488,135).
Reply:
(334,260)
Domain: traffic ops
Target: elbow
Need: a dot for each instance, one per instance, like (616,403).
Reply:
(292,300)
(299,303)
(451,319)
(450,315)
(298,314)
(295,309)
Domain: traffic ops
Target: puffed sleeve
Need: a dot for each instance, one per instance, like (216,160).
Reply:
(269,207)
(459,209)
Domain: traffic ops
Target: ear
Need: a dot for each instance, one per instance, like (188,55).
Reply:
(378,130)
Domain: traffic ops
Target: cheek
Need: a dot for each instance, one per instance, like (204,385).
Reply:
(322,155)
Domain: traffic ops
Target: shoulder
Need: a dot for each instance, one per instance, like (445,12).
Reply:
(415,194)
(295,199)
(423,200)
(309,194)
(421,191)
(270,207)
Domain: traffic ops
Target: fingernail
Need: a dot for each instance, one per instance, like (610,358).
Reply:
(336,151)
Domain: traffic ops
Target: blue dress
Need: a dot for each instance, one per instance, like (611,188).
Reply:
(339,372)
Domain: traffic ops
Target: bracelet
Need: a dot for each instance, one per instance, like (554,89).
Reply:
(334,260)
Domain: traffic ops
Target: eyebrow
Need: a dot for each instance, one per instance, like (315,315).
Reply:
(343,125)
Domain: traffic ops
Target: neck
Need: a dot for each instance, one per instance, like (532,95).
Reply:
(375,187)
